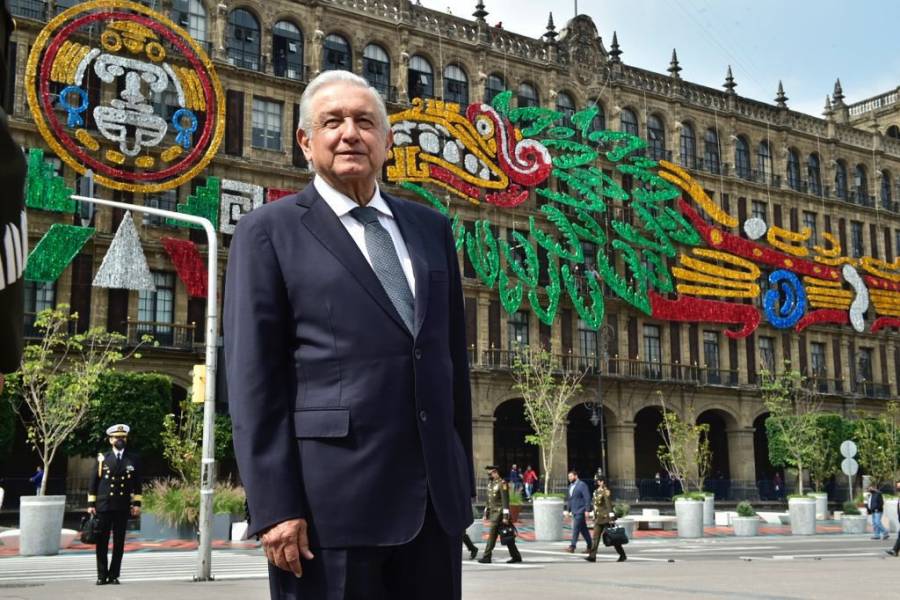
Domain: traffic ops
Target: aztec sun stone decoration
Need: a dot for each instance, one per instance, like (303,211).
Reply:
(119,126)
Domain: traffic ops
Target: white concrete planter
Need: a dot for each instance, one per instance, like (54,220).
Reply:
(853,523)
(745,526)
(628,524)
(548,519)
(821,504)
(690,518)
(475,530)
(40,522)
(803,515)
(890,514)
(709,510)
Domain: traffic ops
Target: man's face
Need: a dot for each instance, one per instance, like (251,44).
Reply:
(117,442)
(494,474)
(572,477)
(346,144)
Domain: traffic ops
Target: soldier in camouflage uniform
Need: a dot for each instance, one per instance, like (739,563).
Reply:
(497,512)
(114,495)
(603,517)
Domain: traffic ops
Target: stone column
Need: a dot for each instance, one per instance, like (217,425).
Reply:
(482,442)
(742,462)
(620,441)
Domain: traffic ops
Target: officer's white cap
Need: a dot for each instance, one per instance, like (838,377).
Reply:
(119,430)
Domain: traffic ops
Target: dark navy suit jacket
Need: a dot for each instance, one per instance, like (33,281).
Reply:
(580,498)
(341,415)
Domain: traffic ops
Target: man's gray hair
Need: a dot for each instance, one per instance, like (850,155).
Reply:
(327,78)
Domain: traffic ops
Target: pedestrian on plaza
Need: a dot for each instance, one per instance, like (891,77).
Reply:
(515,478)
(36,479)
(529,478)
(497,513)
(778,484)
(114,496)
(578,501)
(604,517)
(896,549)
(472,548)
(347,370)
(875,506)
(13,233)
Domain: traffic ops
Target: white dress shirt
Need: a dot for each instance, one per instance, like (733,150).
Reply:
(342,205)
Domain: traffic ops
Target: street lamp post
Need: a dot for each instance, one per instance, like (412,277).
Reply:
(603,333)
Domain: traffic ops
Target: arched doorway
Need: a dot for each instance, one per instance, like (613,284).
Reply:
(510,429)
(765,470)
(719,476)
(586,442)
(647,440)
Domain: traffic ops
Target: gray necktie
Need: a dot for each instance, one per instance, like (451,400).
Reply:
(386,263)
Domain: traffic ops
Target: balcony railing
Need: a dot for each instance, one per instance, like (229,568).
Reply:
(824,385)
(858,196)
(167,335)
(870,389)
(29,9)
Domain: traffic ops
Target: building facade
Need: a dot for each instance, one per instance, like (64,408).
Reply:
(835,177)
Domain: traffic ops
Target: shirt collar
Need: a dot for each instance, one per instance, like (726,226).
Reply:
(342,205)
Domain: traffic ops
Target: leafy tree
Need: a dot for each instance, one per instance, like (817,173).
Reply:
(139,399)
(546,390)
(792,427)
(685,453)
(52,390)
(878,442)
(7,426)
(825,459)
(182,440)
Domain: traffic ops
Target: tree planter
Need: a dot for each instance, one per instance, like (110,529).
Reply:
(690,517)
(890,511)
(803,515)
(548,519)
(475,531)
(154,528)
(745,526)
(853,523)
(40,522)
(628,524)
(709,510)
(821,504)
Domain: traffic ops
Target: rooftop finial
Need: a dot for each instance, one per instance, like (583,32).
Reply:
(674,68)
(828,108)
(550,34)
(614,50)
(729,84)
(780,98)
(838,92)
(480,13)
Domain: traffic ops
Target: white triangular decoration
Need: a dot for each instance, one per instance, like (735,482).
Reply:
(125,266)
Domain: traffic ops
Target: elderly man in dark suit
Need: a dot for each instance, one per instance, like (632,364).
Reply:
(347,371)
(13,233)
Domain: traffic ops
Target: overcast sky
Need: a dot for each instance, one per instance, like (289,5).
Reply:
(807,44)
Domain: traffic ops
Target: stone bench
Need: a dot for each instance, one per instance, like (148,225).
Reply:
(664,522)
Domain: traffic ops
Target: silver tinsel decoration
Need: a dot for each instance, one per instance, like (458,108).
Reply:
(125,266)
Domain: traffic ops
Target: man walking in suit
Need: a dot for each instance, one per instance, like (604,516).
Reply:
(347,370)
(114,495)
(579,500)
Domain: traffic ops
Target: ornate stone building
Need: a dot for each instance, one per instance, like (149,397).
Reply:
(836,175)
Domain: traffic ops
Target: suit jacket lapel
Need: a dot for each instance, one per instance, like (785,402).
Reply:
(411,230)
(324,225)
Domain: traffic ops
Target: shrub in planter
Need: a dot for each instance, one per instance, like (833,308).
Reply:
(745,509)
(621,509)
(746,523)
(852,521)
(515,505)
(176,503)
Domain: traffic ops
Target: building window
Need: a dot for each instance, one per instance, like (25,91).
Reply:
(287,50)
(856,239)
(335,53)
(793,169)
(893,132)
(652,352)
(814,175)
(758,210)
(527,95)
(861,185)
(493,85)
(588,339)
(191,15)
(767,354)
(809,222)
(243,39)
(628,122)
(711,151)
(420,78)
(840,180)
(742,157)
(598,123)
(456,85)
(656,135)
(711,356)
(817,357)
(266,124)
(166,200)
(517,327)
(516,251)
(886,199)
(763,161)
(864,359)
(565,105)
(688,146)
(156,310)
(377,69)
(39,295)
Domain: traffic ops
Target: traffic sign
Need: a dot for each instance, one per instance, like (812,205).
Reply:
(848,449)
(849,466)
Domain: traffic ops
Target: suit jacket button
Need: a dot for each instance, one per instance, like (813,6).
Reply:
(423,416)
(418,353)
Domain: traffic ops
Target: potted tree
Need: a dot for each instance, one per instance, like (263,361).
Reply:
(51,393)
(546,390)
(851,520)
(685,454)
(746,523)
(793,437)
(824,461)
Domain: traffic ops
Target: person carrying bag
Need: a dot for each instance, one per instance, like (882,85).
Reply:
(604,523)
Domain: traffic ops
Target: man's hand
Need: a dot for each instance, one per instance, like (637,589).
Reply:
(135,511)
(92,510)
(285,543)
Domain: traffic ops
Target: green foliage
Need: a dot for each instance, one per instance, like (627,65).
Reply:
(7,425)
(745,509)
(182,439)
(621,509)
(690,496)
(514,497)
(878,442)
(176,502)
(850,508)
(825,460)
(685,453)
(52,390)
(139,399)
(543,495)
(546,390)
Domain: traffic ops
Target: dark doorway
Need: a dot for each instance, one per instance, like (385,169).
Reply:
(718,444)
(510,429)
(647,441)
(584,451)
